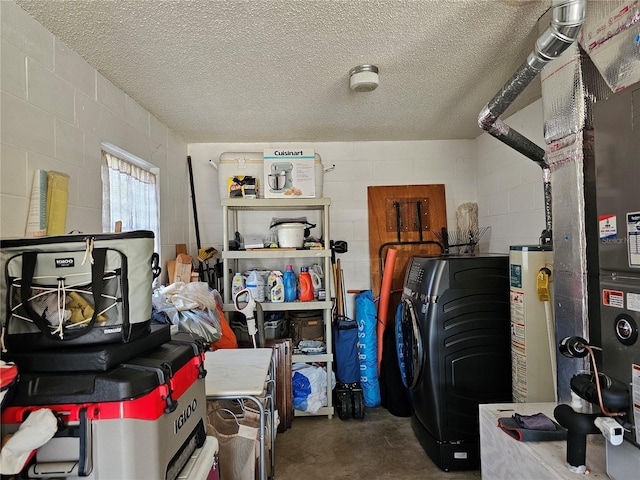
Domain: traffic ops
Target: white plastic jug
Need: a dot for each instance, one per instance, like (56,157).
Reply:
(316,282)
(255,284)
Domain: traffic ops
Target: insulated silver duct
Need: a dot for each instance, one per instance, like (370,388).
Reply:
(567,18)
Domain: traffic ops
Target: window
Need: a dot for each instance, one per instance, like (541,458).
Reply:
(129,193)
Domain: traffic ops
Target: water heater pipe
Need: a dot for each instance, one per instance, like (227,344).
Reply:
(567,19)
(544,295)
(548,312)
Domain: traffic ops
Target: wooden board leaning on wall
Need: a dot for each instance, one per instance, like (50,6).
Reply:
(400,215)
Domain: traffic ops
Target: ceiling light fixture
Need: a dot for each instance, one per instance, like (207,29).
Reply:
(363,78)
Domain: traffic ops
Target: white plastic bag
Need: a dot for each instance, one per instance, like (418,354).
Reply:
(192,307)
(310,387)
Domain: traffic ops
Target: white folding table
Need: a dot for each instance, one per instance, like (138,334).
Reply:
(245,374)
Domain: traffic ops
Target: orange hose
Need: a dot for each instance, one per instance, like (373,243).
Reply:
(385,293)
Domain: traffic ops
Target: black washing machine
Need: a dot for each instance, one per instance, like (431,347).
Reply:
(454,352)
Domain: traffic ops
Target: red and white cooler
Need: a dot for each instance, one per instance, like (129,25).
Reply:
(143,419)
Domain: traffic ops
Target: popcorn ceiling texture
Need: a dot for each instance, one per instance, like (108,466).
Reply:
(277,70)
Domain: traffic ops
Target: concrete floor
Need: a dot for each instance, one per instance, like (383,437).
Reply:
(380,446)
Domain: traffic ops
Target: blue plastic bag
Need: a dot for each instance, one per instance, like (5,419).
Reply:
(310,387)
(367,319)
(301,391)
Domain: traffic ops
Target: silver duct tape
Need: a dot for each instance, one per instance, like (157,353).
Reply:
(565,150)
(569,246)
(563,96)
(595,88)
(611,37)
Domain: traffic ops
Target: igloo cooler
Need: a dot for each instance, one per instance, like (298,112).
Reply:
(142,419)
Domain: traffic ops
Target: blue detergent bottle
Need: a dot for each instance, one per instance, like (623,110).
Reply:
(289,280)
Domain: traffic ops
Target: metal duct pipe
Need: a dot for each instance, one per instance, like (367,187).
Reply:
(567,18)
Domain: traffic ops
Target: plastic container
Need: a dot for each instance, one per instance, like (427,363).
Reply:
(275,329)
(237,284)
(291,235)
(255,284)
(318,290)
(289,281)
(276,292)
(316,281)
(274,289)
(305,293)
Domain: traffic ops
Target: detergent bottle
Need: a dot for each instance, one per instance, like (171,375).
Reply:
(305,294)
(237,284)
(275,287)
(289,281)
(316,281)
(317,277)
(255,284)
(277,291)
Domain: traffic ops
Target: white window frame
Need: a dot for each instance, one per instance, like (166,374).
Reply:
(138,162)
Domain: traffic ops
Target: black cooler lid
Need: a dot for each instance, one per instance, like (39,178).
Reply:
(136,378)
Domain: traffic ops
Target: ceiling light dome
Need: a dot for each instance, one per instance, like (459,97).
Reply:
(363,78)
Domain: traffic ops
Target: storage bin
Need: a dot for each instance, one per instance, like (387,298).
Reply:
(272,329)
(275,329)
(241,331)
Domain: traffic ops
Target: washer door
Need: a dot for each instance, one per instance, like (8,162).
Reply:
(408,344)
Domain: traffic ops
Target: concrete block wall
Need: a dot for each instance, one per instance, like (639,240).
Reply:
(509,185)
(55,111)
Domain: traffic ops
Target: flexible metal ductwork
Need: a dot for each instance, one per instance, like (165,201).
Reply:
(567,18)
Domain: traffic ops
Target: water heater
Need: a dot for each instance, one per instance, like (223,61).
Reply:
(532,326)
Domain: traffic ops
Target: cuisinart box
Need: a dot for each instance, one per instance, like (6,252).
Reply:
(289,173)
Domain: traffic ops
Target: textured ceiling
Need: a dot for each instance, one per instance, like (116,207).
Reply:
(277,70)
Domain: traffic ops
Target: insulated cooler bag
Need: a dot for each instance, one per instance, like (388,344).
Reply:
(89,358)
(71,290)
(142,419)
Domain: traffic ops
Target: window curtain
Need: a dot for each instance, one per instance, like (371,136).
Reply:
(129,195)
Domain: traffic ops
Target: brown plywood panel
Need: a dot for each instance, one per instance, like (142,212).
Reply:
(419,211)
(282,349)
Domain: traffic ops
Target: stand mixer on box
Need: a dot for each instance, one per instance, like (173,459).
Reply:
(290,173)
(280,177)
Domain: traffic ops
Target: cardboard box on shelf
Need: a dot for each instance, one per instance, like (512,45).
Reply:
(289,173)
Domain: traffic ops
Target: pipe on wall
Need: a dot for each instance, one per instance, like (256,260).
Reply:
(567,19)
